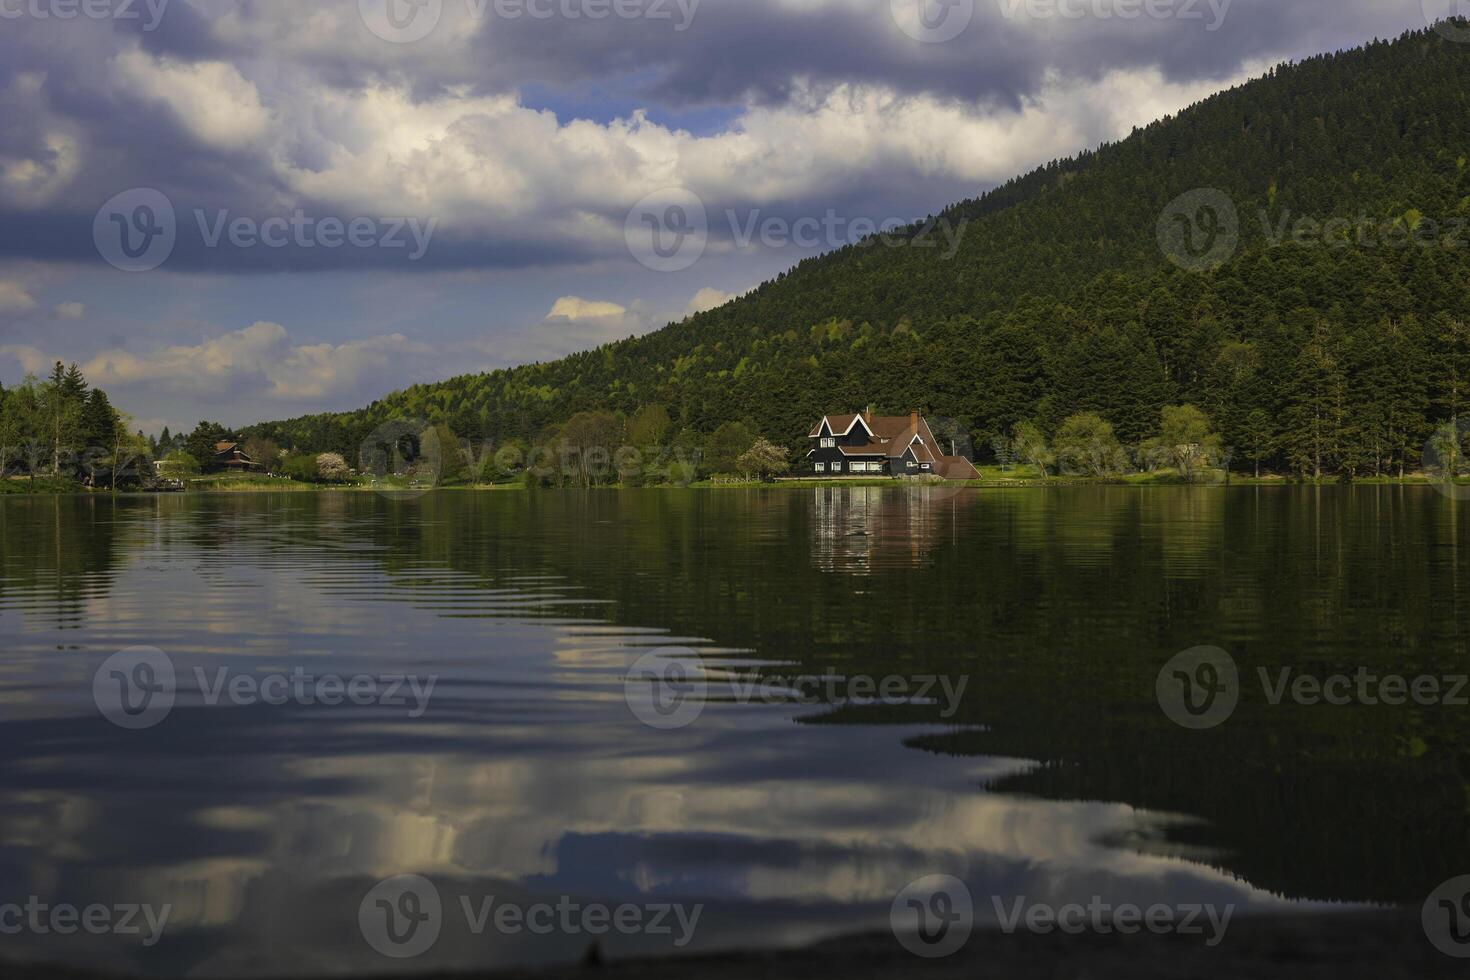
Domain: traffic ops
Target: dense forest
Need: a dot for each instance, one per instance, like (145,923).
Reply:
(1332,339)
(65,429)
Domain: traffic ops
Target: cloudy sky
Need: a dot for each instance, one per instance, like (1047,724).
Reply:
(246,209)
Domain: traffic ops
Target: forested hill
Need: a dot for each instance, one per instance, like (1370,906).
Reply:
(1334,333)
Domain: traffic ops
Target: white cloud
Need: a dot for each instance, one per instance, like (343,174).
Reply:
(14,298)
(707,299)
(70,311)
(260,360)
(213,100)
(577,308)
(489,168)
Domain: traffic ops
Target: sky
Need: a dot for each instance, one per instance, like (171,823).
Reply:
(241,210)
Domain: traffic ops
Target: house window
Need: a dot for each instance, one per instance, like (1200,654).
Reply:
(926,466)
(821,467)
(829,443)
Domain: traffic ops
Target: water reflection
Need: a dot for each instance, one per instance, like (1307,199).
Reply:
(264,826)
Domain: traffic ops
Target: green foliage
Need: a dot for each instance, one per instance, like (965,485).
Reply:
(302,468)
(179,465)
(726,445)
(1322,358)
(1086,444)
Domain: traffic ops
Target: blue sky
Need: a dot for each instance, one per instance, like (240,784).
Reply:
(249,209)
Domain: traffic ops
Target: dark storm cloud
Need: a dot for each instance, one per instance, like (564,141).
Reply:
(84,136)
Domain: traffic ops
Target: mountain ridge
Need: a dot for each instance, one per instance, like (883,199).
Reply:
(1060,288)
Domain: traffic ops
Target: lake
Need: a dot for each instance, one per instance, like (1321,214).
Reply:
(780,707)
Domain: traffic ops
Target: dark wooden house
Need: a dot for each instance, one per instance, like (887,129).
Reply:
(882,445)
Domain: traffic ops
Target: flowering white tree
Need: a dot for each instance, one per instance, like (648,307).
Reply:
(331,466)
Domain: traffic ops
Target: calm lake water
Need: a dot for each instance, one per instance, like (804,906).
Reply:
(528,776)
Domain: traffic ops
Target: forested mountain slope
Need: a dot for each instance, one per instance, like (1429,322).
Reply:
(1335,333)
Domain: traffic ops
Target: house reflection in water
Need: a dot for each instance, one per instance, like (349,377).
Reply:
(859,530)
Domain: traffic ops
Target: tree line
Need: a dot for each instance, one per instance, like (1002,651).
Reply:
(62,429)
(1312,355)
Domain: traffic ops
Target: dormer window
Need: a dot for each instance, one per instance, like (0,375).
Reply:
(828,442)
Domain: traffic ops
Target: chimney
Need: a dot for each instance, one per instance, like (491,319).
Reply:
(914,419)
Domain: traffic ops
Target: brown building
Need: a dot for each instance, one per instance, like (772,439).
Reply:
(229,456)
(883,445)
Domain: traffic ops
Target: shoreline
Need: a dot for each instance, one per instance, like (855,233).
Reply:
(1142,482)
(1373,945)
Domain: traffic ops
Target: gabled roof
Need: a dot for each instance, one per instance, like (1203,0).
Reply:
(893,437)
(956,468)
(840,425)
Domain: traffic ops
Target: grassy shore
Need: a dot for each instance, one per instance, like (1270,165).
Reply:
(991,478)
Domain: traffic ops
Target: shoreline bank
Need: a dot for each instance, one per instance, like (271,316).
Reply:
(1373,945)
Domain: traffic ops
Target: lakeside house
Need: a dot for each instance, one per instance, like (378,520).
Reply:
(230,457)
(865,444)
